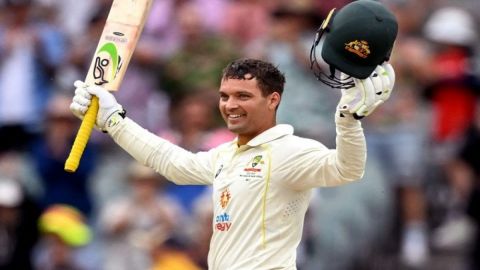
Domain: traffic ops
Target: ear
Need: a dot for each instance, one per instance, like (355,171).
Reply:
(274,100)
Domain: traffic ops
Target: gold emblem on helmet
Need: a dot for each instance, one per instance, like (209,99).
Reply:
(359,48)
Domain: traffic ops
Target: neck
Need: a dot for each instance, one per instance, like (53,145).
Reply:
(242,140)
(245,138)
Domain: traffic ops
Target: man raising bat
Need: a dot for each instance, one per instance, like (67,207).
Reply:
(263,180)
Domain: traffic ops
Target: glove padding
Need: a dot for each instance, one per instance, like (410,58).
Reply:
(108,105)
(367,94)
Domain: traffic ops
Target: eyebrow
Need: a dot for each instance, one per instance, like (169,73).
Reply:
(236,92)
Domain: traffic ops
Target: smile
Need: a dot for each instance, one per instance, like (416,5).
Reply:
(235,116)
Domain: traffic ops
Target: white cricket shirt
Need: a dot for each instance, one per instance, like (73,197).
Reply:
(261,190)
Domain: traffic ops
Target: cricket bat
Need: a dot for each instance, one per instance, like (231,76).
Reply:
(120,35)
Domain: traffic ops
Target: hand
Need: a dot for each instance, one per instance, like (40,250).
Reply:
(367,94)
(108,105)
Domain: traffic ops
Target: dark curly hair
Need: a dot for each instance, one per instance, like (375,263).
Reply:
(269,78)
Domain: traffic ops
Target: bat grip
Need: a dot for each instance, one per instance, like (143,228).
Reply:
(82,137)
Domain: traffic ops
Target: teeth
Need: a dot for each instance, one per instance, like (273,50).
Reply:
(234,115)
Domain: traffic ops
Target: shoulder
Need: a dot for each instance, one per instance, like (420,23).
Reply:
(292,147)
(226,146)
(300,143)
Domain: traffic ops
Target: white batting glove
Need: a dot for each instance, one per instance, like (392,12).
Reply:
(108,105)
(367,94)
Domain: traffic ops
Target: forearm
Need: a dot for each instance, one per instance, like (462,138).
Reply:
(351,147)
(140,143)
(171,161)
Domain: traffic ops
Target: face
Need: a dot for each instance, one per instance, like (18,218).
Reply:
(195,115)
(144,189)
(245,110)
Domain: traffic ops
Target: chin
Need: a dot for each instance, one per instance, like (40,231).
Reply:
(234,128)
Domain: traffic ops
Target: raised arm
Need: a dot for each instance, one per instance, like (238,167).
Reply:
(318,166)
(175,163)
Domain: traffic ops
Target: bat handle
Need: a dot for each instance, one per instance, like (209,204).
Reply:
(82,137)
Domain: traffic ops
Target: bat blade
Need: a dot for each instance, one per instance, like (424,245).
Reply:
(119,37)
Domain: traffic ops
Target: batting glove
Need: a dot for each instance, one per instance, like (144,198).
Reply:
(367,94)
(108,105)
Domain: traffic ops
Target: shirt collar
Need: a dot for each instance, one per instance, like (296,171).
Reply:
(271,134)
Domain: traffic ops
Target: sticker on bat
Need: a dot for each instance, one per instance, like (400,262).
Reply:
(107,64)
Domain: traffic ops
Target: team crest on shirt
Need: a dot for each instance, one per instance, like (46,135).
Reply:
(253,165)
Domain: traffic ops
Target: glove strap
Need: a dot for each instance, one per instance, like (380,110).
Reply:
(112,120)
(354,115)
(123,113)
(357,117)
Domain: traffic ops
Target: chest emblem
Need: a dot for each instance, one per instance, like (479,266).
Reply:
(253,165)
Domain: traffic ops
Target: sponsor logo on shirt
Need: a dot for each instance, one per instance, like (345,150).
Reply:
(223,222)
(225,198)
(219,171)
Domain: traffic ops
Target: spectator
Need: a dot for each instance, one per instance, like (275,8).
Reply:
(201,231)
(469,157)
(453,91)
(181,73)
(18,233)
(193,128)
(242,31)
(461,231)
(169,255)
(128,223)
(452,88)
(30,52)
(64,234)
(49,154)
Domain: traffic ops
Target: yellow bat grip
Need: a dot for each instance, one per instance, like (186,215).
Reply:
(82,137)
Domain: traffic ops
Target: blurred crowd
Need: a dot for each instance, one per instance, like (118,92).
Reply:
(416,208)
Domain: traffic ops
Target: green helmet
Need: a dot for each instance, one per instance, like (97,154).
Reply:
(358,37)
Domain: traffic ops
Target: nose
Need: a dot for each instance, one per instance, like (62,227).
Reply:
(231,104)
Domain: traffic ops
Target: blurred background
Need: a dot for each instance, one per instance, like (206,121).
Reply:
(416,208)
